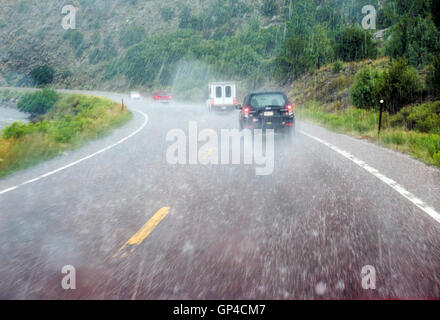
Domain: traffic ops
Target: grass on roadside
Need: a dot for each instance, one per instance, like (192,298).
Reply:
(364,124)
(73,120)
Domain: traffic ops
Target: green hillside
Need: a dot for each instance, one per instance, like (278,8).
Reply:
(183,44)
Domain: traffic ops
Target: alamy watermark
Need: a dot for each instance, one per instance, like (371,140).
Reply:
(69,280)
(369,21)
(368,275)
(69,20)
(224,149)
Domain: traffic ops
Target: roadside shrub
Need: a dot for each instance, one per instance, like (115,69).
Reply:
(16,130)
(42,75)
(422,118)
(398,86)
(364,90)
(337,66)
(37,103)
(436,158)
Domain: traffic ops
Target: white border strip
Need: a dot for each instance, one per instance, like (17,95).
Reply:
(83,159)
(393,184)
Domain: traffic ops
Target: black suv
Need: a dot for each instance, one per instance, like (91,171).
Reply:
(267,110)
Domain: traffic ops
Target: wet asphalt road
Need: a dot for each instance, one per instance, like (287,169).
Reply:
(304,232)
(10,115)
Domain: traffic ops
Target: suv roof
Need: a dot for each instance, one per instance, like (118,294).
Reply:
(266,92)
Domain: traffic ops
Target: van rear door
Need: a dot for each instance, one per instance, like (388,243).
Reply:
(229,95)
(218,95)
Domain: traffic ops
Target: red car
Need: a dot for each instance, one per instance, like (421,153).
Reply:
(161,96)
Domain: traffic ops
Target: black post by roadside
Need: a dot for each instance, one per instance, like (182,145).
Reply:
(380,115)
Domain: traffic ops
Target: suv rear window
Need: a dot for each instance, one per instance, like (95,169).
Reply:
(267,99)
(218,92)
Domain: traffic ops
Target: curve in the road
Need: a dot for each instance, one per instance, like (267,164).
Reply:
(144,124)
(391,183)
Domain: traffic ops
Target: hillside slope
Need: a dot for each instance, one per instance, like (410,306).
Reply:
(31,34)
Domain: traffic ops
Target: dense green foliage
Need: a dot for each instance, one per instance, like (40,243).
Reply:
(354,44)
(422,118)
(38,103)
(277,39)
(157,58)
(433,78)
(398,86)
(416,39)
(364,90)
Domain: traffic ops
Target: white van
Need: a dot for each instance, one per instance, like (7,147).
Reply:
(222,96)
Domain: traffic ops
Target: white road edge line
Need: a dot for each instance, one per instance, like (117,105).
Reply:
(82,159)
(391,183)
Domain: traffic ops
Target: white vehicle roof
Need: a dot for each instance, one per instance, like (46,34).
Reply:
(221,83)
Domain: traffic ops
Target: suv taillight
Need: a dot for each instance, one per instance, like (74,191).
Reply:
(211,102)
(235,102)
(246,110)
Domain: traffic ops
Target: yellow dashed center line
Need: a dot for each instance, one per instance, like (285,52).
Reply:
(145,231)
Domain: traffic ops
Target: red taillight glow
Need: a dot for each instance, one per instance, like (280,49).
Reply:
(246,110)
(289,124)
(211,102)
(235,102)
(289,107)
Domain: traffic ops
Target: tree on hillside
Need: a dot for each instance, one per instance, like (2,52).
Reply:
(399,85)
(354,44)
(42,75)
(416,39)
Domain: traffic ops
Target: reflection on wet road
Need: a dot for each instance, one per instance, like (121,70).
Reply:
(308,230)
